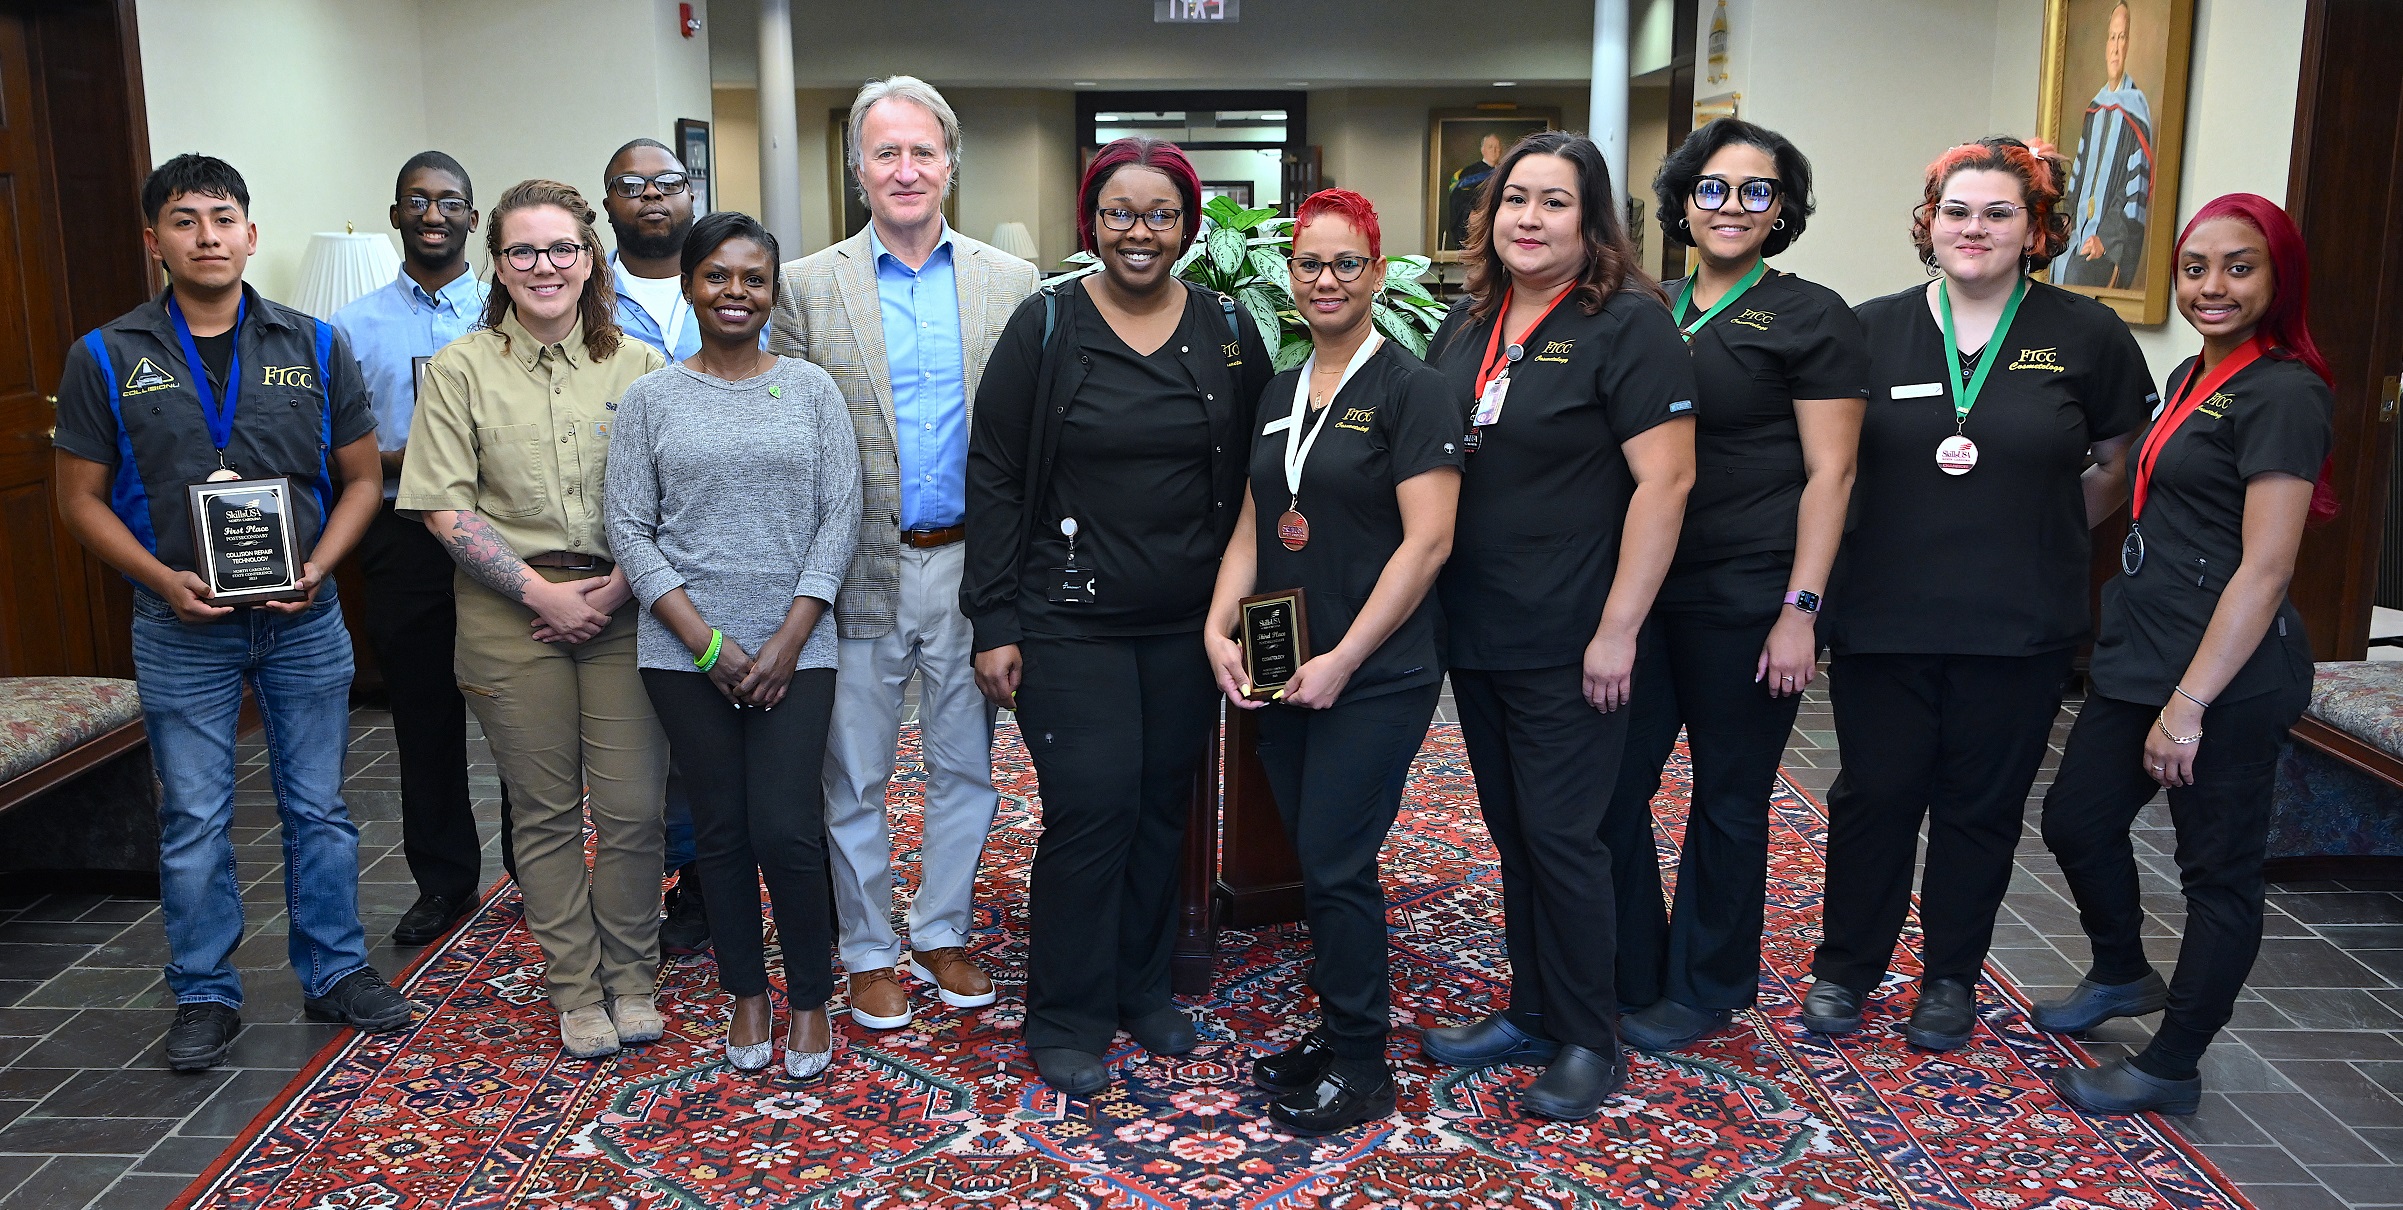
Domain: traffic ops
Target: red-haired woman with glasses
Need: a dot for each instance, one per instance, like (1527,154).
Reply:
(1105,470)
(2201,664)
(2000,412)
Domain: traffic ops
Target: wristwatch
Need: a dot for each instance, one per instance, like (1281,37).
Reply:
(1804,600)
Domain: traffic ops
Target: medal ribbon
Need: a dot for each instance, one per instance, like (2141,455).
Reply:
(1297,447)
(1760,269)
(1965,398)
(220,418)
(2189,396)
(1495,363)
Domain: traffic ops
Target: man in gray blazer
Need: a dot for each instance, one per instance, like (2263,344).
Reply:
(903,315)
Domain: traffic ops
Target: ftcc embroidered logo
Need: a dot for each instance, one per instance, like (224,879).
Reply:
(1757,320)
(2040,359)
(299,377)
(1557,351)
(2217,406)
(147,377)
(1356,419)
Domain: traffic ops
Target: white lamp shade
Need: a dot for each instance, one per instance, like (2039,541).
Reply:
(1016,240)
(338,268)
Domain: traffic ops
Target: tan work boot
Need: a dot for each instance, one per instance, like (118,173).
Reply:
(877,1000)
(637,1019)
(587,1033)
(956,977)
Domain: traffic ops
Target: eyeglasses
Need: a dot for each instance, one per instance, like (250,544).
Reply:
(669,184)
(1347,268)
(1754,193)
(1953,216)
(1119,218)
(418,203)
(521,257)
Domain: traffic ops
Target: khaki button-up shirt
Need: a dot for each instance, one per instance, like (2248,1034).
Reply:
(517,432)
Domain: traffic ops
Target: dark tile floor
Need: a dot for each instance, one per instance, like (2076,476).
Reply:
(2303,1108)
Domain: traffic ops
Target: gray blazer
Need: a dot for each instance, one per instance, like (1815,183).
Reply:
(827,311)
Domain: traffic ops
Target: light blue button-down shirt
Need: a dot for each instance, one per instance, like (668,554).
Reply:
(638,322)
(930,386)
(390,328)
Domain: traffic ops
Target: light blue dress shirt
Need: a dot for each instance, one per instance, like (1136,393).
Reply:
(930,386)
(638,323)
(390,328)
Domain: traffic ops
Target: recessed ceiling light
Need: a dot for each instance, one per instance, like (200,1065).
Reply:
(1297,84)
(1506,84)
(1085,83)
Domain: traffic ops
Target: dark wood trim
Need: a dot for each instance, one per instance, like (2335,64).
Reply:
(71,764)
(1259,878)
(2320,737)
(2371,868)
(1193,961)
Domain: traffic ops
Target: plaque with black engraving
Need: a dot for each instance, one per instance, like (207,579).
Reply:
(1275,631)
(242,540)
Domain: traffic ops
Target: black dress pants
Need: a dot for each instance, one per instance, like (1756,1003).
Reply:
(1954,740)
(759,813)
(1696,672)
(1337,775)
(1118,729)
(2222,823)
(1545,763)
(412,625)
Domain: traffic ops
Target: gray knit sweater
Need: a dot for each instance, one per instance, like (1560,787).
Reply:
(745,494)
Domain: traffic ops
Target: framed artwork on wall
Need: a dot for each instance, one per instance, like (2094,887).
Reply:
(2112,98)
(1463,145)
(692,147)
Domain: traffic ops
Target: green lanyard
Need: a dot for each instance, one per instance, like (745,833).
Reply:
(1965,397)
(1760,269)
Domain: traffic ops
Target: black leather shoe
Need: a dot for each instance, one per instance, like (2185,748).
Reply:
(2119,1087)
(1574,1084)
(202,1034)
(1070,1071)
(1295,1068)
(1668,1025)
(363,1001)
(1944,1017)
(686,929)
(1163,1031)
(428,919)
(2090,1004)
(1335,1102)
(1830,1008)
(1484,1043)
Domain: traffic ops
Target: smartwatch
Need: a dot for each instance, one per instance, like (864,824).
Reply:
(1804,600)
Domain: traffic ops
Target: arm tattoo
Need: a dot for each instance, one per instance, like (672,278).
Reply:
(478,548)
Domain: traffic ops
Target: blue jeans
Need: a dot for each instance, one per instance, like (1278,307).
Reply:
(191,679)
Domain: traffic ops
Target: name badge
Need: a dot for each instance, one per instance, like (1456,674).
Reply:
(1489,405)
(1918,390)
(1069,586)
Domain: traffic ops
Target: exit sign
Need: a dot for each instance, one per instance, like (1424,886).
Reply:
(1196,11)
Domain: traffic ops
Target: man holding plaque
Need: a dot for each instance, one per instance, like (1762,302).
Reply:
(218,449)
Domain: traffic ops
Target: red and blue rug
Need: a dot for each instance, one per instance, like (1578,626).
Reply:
(477,1107)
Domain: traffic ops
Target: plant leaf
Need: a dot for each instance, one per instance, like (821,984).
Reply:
(1292,353)
(1263,308)
(1183,266)
(1268,265)
(1405,268)
(1398,329)
(1228,251)
(1223,211)
(1250,219)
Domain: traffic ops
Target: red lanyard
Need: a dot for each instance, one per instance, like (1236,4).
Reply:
(2185,400)
(1494,363)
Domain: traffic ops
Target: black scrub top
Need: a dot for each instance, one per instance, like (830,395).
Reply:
(1133,468)
(1392,422)
(2273,416)
(1992,562)
(1785,339)
(1543,499)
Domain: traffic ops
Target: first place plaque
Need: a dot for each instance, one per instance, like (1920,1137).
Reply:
(242,541)
(1274,628)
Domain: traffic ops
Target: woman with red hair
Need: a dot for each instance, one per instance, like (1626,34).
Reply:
(2000,412)
(1355,476)
(2201,664)
(1105,471)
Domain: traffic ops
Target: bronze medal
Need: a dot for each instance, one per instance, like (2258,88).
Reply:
(1293,529)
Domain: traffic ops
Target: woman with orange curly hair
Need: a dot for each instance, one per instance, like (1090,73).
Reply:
(2000,413)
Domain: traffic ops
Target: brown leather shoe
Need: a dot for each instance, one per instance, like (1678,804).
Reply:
(957,978)
(877,999)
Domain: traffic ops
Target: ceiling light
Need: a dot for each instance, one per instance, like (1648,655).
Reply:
(1506,84)
(1297,84)
(1084,84)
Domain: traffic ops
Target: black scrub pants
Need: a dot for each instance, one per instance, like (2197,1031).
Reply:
(1545,763)
(1118,729)
(2222,823)
(1696,672)
(1954,740)
(759,814)
(1337,775)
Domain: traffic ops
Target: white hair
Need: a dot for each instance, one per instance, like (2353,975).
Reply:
(918,92)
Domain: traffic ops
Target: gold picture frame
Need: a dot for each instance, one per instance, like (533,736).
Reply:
(1454,139)
(2124,135)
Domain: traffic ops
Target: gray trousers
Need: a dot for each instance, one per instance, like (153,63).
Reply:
(931,638)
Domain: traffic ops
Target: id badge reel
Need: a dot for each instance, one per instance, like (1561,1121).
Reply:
(1489,404)
(1069,584)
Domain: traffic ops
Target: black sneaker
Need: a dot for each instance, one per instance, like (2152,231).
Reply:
(686,929)
(363,1001)
(428,919)
(202,1034)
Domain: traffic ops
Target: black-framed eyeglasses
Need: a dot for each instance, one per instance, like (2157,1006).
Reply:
(633,184)
(521,257)
(1119,218)
(1347,268)
(451,207)
(1754,193)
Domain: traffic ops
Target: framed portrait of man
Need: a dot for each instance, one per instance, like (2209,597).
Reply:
(1463,147)
(2113,101)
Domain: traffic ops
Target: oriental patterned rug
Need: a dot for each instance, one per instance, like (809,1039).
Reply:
(478,1108)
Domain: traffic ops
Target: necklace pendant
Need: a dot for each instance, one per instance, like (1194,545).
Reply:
(1956,455)
(1293,530)
(224,474)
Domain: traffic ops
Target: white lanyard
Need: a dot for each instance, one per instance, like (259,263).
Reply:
(1297,446)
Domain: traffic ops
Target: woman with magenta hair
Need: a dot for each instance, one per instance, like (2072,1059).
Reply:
(2000,413)
(2201,664)
(1355,476)
(1106,460)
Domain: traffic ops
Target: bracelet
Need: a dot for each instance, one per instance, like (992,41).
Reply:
(709,659)
(2180,690)
(2181,740)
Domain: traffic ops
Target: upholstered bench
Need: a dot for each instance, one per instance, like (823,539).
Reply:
(2338,809)
(78,799)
